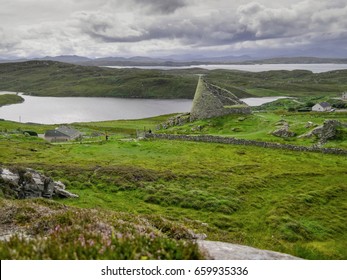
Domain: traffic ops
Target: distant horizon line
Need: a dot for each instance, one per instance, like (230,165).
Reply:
(175,57)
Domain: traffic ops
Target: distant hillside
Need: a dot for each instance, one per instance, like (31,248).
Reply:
(179,60)
(280,83)
(48,78)
(298,60)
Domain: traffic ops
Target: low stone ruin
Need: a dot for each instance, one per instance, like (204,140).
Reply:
(324,132)
(284,131)
(180,119)
(24,183)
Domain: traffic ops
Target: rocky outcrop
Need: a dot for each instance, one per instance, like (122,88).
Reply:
(324,132)
(228,251)
(27,183)
(180,119)
(283,132)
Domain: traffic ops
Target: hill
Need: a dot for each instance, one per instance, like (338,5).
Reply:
(50,78)
(296,83)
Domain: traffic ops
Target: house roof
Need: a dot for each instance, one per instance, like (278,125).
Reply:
(68,131)
(324,104)
(54,133)
(63,131)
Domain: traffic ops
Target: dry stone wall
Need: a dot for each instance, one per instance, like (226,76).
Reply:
(234,141)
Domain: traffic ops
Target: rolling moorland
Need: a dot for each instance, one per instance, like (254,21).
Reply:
(149,198)
(47,78)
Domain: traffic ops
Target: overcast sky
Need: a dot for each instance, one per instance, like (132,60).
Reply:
(97,28)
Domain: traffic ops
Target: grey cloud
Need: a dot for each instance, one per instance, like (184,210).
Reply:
(162,6)
(192,25)
(7,40)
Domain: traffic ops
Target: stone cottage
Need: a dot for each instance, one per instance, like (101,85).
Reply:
(62,133)
(322,107)
(344,95)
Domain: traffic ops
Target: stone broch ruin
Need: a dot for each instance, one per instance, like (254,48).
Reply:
(212,101)
(209,101)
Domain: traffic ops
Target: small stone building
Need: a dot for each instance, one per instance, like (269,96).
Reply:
(62,134)
(344,95)
(322,107)
(212,101)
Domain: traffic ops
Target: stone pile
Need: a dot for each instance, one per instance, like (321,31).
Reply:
(27,183)
(283,132)
(324,132)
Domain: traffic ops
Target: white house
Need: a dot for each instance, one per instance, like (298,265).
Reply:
(344,95)
(322,107)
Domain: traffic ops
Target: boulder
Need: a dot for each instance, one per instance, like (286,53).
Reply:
(228,251)
(324,132)
(27,183)
(283,132)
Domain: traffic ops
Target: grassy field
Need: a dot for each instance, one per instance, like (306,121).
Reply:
(278,200)
(260,125)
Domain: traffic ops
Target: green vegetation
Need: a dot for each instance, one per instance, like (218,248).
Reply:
(146,199)
(271,199)
(260,125)
(8,99)
(60,232)
(48,78)
(297,83)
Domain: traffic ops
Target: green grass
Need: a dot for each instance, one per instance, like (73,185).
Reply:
(271,199)
(8,99)
(124,127)
(259,126)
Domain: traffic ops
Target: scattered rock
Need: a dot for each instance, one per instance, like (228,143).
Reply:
(27,183)
(324,132)
(175,121)
(236,129)
(282,122)
(283,132)
(309,124)
(197,128)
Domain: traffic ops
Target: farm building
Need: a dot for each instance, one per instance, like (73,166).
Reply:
(61,134)
(322,107)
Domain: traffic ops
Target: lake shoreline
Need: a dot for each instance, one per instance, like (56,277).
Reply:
(313,67)
(59,110)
